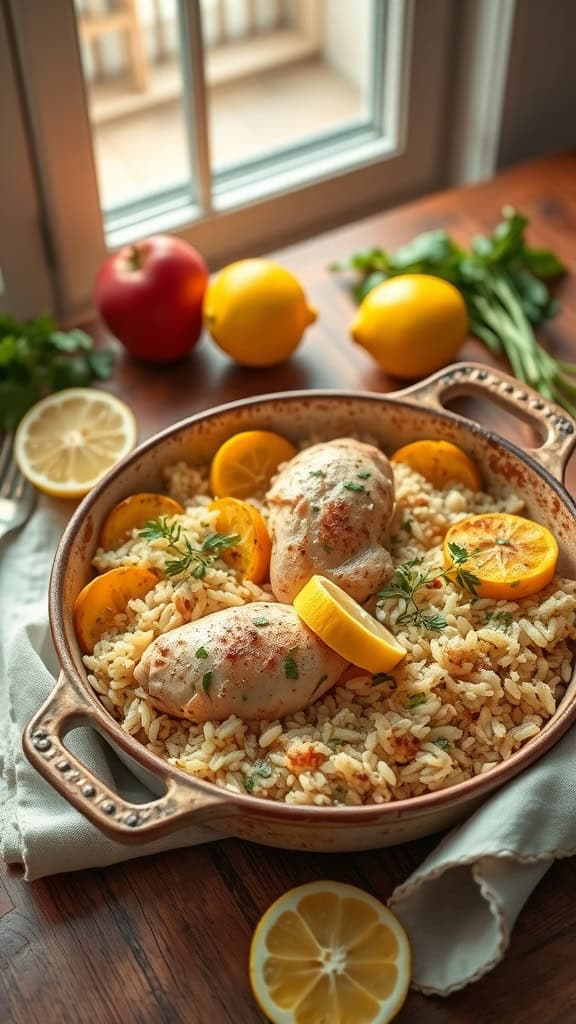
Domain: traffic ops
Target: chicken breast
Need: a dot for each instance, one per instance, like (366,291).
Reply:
(330,507)
(258,661)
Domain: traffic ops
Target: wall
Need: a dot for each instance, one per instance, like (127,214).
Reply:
(346,31)
(539,114)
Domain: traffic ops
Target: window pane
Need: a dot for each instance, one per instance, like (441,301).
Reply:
(133,72)
(282,72)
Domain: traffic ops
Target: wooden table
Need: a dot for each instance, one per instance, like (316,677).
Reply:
(165,939)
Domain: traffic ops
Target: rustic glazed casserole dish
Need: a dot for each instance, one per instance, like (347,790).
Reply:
(417,412)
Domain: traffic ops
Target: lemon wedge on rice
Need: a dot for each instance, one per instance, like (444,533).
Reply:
(329,953)
(346,627)
(67,442)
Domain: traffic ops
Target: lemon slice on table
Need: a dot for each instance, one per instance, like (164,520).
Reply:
(346,627)
(508,556)
(329,953)
(67,441)
(244,465)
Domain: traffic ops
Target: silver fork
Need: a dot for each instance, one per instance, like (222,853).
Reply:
(17,496)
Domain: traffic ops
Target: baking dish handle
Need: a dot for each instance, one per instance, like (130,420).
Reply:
(463,379)
(42,741)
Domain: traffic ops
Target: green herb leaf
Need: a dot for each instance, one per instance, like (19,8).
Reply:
(206,681)
(364,476)
(441,742)
(327,548)
(416,699)
(458,554)
(187,558)
(433,623)
(37,358)
(407,526)
(290,668)
(260,769)
(217,542)
(468,581)
(351,485)
(382,677)
(202,653)
(317,472)
(261,622)
(503,281)
(499,618)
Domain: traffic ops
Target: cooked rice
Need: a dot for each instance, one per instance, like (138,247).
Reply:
(461,701)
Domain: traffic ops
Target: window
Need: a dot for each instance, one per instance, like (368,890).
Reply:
(238,124)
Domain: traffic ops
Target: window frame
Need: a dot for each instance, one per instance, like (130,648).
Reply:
(409,160)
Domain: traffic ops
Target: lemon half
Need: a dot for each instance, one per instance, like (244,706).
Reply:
(329,953)
(67,441)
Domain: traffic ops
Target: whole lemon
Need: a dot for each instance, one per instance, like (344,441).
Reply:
(257,312)
(412,324)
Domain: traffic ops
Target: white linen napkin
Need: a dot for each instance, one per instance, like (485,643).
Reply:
(484,870)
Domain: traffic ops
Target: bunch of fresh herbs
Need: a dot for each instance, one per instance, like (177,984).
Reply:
(36,358)
(408,580)
(184,556)
(503,281)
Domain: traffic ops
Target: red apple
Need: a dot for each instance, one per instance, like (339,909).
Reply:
(150,296)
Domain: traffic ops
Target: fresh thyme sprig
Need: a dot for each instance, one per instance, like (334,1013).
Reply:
(186,555)
(407,581)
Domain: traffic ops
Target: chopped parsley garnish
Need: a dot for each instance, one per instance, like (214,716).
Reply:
(499,618)
(290,668)
(315,509)
(408,580)
(198,560)
(202,653)
(504,543)
(351,485)
(416,699)
(441,742)
(327,548)
(317,472)
(407,525)
(261,622)
(364,476)
(383,677)
(261,769)
(206,681)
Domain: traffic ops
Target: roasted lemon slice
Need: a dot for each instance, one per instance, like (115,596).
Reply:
(250,557)
(441,463)
(329,953)
(244,465)
(67,442)
(133,513)
(346,627)
(511,557)
(103,598)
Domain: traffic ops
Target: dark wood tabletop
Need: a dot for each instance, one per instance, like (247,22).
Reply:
(166,938)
